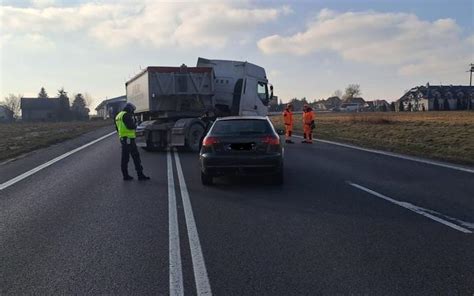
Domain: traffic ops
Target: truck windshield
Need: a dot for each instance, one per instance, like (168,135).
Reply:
(262,91)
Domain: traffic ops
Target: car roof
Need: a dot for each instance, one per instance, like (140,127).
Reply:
(243,117)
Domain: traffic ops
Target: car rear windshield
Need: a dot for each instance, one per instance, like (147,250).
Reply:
(241,127)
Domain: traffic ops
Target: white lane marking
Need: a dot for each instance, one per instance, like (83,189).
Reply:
(47,164)
(200,273)
(176,273)
(416,209)
(406,157)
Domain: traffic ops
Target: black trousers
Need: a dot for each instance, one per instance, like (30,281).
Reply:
(130,148)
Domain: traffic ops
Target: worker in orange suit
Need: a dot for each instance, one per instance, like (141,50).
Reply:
(308,124)
(288,120)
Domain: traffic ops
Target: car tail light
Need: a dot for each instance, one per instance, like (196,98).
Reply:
(271,140)
(209,141)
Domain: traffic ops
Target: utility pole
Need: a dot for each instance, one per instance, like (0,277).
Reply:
(469,102)
(471,70)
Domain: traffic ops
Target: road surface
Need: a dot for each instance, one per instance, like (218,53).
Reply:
(345,222)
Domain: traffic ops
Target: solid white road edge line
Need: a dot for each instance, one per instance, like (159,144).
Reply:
(413,208)
(200,273)
(176,273)
(47,164)
(406,157)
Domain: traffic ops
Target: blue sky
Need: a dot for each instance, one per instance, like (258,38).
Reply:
(309,48)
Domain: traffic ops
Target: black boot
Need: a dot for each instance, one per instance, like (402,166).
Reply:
(127,178)
(142,177)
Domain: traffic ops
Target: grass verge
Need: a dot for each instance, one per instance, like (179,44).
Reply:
(20,138)
(446,136)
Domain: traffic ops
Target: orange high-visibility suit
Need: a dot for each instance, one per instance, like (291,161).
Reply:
(308,121)
(288,120)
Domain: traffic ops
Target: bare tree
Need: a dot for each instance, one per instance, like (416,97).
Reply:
(12,103)
(337,93)
(352,91)
(88,99)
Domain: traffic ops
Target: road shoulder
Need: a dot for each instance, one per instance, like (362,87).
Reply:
(18,165)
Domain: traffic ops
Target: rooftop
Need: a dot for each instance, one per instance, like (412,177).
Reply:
(39,103)
(112,100)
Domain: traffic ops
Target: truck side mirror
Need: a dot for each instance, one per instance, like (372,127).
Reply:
(271,92)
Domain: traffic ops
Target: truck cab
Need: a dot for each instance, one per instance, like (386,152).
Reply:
(242,87)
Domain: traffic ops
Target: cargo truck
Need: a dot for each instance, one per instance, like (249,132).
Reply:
(175,105)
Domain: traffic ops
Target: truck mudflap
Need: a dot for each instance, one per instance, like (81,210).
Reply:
(187,132)
(155,135)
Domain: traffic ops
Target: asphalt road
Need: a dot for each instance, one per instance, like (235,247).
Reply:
(345,222)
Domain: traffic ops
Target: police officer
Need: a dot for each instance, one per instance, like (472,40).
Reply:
(125,125)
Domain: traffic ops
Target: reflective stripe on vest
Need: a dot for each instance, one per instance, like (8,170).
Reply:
(123,131)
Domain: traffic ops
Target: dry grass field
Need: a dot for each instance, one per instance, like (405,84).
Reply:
(19,138)
(447,136)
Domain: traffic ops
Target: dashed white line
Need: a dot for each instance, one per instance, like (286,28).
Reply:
(419,210)
(176,273)
(397,155)
(200,273)
(47,164)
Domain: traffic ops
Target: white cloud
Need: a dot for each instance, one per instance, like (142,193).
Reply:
(399,39)
(31,42)
(146,22)
(43,3)
(49,20)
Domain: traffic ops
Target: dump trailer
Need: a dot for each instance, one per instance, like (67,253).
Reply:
(175,105)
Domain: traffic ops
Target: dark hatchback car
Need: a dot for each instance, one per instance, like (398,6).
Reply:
(244,145)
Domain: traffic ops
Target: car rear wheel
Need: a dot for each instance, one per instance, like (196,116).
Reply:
(206,179)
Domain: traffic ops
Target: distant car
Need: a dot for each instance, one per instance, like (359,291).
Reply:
(350,107)
(243,145)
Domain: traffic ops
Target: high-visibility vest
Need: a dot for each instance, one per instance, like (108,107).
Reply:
(123,131)
(288,117)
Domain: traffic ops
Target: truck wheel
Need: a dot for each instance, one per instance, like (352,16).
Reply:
(206,179)
(194,136)
(150,147)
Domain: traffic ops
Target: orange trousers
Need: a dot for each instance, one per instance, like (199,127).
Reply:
(288,131)
(308,133)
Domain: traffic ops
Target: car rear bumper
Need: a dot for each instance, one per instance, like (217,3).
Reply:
(216,165)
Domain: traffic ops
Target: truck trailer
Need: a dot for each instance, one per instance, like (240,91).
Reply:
(175,105)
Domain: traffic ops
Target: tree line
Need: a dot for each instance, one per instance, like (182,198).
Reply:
(350,92)
(78,110)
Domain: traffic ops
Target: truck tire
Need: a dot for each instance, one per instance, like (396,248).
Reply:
(194,137)
(150,146)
